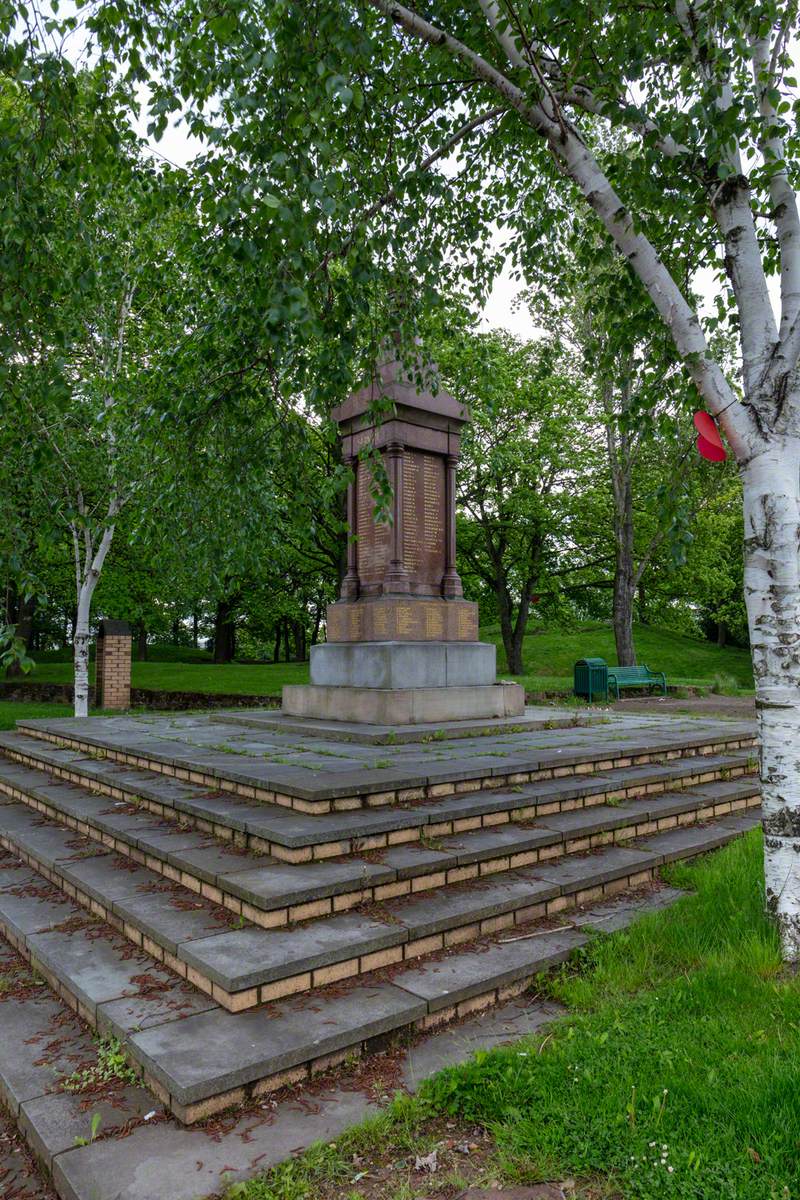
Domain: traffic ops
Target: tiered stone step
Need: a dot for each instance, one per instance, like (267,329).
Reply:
(181,895)
(199,1059)
(248,764)
(467,802)
(161,912)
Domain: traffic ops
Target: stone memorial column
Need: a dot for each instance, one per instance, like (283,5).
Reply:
(395,578)
(451,581)
(402,642)
(349,589)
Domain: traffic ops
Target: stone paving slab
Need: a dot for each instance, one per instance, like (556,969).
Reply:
(52,1123)
(37,909)
(42,1042)
(728,789)
(583,822)
(467,903)
(14,873)
(165,1162)
(619,914)
(415,859)
(273,720)
(243,958)
(692,839)
(448,981)
(497,839)
(243,1047)
(172,915)
(588,870)
(211,861)
(48,842)
(247,762)
(742,822)
(20,1179)
(281,884)
(130,1014)
(107,877)
(95,964)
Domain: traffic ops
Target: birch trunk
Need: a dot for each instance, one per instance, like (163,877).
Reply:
(86,582)
(80,648)
(772,593)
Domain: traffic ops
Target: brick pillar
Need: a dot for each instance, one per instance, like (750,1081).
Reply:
(113,665)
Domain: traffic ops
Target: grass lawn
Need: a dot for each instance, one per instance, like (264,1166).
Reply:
(550,654)
(12,711)
(236,678)
(549,657)
(675,1075)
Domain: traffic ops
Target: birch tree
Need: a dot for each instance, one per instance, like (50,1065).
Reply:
(715,109)
(92,307)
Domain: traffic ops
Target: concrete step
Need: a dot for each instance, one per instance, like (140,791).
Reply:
(199,1059)
(277,893)
(300,837)
(241,964)
(322,778)
(142,1153)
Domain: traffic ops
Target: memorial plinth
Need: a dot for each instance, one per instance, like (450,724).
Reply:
(402,641)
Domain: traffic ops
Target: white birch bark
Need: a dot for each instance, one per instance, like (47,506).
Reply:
(87,573)
(772,593)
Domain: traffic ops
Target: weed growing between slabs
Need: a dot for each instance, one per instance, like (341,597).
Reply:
(676,1073)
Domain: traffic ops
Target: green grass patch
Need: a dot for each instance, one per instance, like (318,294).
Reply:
(12,711)
(678,1074)
(258,679)
(549,655)
(675,1075)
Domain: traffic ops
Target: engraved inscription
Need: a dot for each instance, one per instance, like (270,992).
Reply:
(336,631)
(433,492)
(380,622)
(411,531)
(434,621)
(372,546)
(356,621)
(465,624)
(424,518)
(405,620)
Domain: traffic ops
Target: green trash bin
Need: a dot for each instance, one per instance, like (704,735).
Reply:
(591,678)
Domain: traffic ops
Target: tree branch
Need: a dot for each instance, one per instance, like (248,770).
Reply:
(784,213)
(577,161)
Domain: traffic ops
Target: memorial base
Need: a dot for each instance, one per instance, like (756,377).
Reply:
(404,664)
(403,619)
(404,706)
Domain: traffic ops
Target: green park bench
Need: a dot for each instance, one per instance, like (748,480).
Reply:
(594,677)
(636,677)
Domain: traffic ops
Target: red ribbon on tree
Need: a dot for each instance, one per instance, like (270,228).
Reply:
(709,442)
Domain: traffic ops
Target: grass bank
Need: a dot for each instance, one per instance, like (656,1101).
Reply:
(675,1076)
(549,656)
(12,711)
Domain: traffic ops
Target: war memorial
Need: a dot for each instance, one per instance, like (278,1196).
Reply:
(250,901)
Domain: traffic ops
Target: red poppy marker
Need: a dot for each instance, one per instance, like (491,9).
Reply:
(709,442)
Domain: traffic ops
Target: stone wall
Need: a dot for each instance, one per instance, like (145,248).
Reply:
(61,693)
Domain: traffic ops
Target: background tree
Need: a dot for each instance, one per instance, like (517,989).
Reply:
(520,453)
